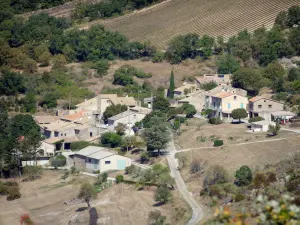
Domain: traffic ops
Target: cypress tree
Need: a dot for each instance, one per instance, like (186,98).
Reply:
(172,86)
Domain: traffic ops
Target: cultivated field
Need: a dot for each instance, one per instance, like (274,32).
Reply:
(122,204)
(213,17)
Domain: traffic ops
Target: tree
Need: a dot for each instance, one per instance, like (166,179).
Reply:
(45,58)
(112,139)
(243,176)
(294,74)
(282,19)
(157,135)
(274,130)
(189,110)
(215,175)
(162,194)
(113,110)
(123,76)
(294,39)
(294,16)
(206,45)
(101,66)
(161,104)
(239,114)
(227,64)
(172,86)
(120,129)
(59,61)
(248,79)
(11,83)
(29,65)
(275,72)
(87,192)
(102,178)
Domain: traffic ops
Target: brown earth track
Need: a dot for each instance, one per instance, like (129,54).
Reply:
(214,17)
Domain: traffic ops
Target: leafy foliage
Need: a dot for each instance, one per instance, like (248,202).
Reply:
(243,176)
(218,143)
(239,114)
(87,192)
(274,130)
(111,139)
(227,64)
(162,194)
(113,110)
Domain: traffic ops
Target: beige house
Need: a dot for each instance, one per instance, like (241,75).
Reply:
(261,106)
(224,102)
(94,158)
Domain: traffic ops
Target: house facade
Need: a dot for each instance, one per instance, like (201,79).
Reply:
(221,79)
(261,106)
(94,158)
(224,102)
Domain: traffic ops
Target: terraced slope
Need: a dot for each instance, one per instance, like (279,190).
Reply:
(214,17)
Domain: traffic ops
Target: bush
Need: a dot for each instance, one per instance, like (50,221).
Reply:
(162,194)
(260,180)
(130,169)
(255,119)
(111,139)
(218,143)
(215,120)
(209,86)
(3,189)
(74,170)
(155,218)
(196,166)
(239,197)
(13,193)
(274,130)
(102,178)
(101,66)
(145,157)
(215,175)
(243,176)
(58,161)
(119,179)
(158,57)
(32,172)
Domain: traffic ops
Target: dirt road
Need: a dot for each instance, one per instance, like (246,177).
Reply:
(197,210)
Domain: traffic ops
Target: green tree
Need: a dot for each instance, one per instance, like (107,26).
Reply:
(101,66)
(45,58)
(189,110)
(275,72)
(172,86)
(87,192)
(162,194)
(248,79)
(11,83)
(294,39)
(294,74)
(59,61)
(239,114)
(161,104)
(123,76)
(294,16)
(282,19)
(206,45)
(157,135)
(243,176)
(29,102)
(113,110)
(274,130)
(29,65)
(112,139)
(227,64)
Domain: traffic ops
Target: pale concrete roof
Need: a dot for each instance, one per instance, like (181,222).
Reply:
(122,115)
(141,110)
(95,152)
(283,113)
(45,119)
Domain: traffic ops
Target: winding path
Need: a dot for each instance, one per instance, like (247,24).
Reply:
(197,210)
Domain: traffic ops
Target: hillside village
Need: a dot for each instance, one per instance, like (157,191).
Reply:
(166,125)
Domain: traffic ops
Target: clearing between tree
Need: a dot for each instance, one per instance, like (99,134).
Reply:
(215,18)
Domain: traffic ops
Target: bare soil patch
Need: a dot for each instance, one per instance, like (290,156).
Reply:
(43,200)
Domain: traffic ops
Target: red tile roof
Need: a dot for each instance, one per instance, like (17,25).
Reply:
(222,94)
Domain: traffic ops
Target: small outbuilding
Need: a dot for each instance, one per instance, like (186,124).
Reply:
(261,126)
(93,158)
(282,116)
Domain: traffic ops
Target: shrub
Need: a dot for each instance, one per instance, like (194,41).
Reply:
(145,157)
(196,166)
(3,189)
(158,57)
(222,190)
(32,172)
(271,177)
(58,161)
(13,193)
(209,85)
(111,139)
(243,176)
(130,169)
(215,175)
(274,130)
(162,194)
(260,180)
(101,66)
(65,175)
(102,178)
(255,119)
(218,143)
(74,170)
(155,218)
(239,197)
(119,179)
(215,120)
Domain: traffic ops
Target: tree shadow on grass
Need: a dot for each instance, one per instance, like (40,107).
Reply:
(80,209)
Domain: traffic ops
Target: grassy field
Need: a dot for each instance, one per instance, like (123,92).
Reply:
(43,200)
(213,17)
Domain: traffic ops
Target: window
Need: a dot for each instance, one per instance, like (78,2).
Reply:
(259,106)
(242,105)
(89,160)
(270,106)
(107,162)
(228,105)
(91,134)
(234,97)
(61,134)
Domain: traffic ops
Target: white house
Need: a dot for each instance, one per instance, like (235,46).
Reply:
(94,158)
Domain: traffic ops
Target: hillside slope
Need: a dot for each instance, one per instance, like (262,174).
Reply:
(214,17)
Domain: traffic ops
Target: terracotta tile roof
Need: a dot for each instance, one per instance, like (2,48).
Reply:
(256,98)
(222,94)
(75,116)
